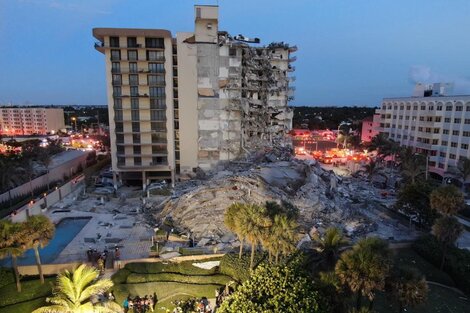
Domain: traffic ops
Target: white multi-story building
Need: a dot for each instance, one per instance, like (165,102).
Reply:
(16,121)
(435,125)
(191,101)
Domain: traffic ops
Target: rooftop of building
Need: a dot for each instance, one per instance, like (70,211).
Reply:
(100,33)
(449,97)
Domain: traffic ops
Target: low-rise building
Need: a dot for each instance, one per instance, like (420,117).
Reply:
(433,123)
(369,128)
(24,121)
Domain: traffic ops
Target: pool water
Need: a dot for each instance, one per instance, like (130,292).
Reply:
(65,231)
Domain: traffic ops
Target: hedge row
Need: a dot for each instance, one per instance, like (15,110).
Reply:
(457,263)
(185,268)
(32,289)
(6,276)
(216,279)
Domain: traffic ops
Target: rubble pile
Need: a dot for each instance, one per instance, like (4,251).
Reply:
(323,198)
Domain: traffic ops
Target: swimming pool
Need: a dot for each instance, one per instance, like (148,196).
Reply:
(65,231)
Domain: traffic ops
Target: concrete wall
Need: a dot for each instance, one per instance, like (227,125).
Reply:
(56,173)
(48,269)
(187,90)
(36,208)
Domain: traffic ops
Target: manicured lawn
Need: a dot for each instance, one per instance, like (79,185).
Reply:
(407,257)
(33,295)
(440,300)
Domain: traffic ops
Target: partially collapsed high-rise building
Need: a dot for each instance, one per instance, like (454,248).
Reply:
(197,100)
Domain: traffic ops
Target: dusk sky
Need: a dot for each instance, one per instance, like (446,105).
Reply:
(351,52)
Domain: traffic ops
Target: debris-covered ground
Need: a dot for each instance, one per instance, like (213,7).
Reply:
(323,198)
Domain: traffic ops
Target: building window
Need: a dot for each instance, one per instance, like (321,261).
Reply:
(421,118)
(429,119)
(133,79)
(232,52)
(445,131)
(134,91)
(437,118)
(135,138)
(115,55)
(121,161)
(132,55)
(120,139)
(447,120)
(132,42)
(159,149)
(423,107)
(116,67)
(155,56)
(464,146)
(133,67)
(118,115)
(157,104)
(137,161)
(118,103)
(117,79)
(161,160)
(457,120)
(155,79)
(117,91)
(449,108)
(135,115)
(436,130)
(452,156)
(157,92)
(135,127)
(136,149)
(158,126)
(442,154)
(134,103)
(114,42)
(159,137)
(154,43)
(439,107)
(156,68)
(420,129)
(435,141)
(453,144)
(455,132)
(466,134)
(444,143)
(467,108)
(467,121)
(157,115)
(119,127)
(459,108)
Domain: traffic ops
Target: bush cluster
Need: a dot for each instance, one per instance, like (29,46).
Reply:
(457,263)
(238,269)
(215,279)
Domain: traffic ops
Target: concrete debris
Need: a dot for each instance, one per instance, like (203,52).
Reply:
(323,199)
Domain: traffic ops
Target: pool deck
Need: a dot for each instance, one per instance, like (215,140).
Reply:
(122,229)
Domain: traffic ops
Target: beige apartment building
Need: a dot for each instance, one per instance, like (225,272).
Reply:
(196,100)
(16,121)
(431,122)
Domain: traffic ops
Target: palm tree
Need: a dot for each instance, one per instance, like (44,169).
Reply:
(330,243)
(408,288)
(12,243)
(447,230)
(413,166)
(280,236)
(74,290)
(232,219)
(41,231)
(254,222)
(464,169)
(364,268)
(379,143)
(447,200)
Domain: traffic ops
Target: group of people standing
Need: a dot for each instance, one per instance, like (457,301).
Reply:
(138,304)
(99,258)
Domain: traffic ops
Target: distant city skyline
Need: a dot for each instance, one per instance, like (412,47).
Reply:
(350,52)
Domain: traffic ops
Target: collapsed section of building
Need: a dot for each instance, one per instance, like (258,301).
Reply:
(194,101)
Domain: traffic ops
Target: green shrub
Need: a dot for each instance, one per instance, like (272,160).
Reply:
(120,276)
(239,269)
(216,279)
(190,251)
(457,263)
(185,268)
(6,276)
(31,289)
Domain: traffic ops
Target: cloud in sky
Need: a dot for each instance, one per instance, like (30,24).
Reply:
(425,74)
